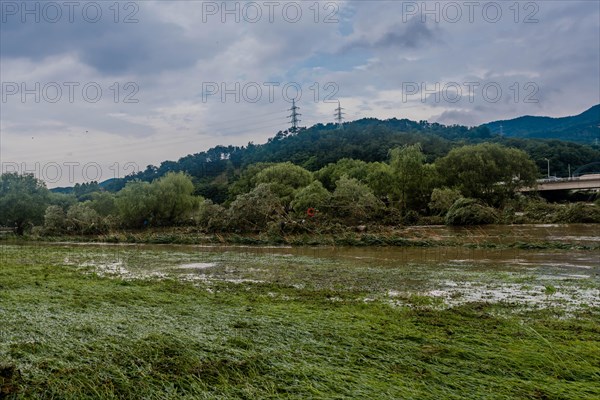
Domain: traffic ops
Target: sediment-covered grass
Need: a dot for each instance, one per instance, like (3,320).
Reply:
(67,333)
(497,236)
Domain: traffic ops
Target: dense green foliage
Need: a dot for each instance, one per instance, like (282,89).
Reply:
(487,171)
(23,201)
(412,179)
(254,210)
(284,180)
(283,197)
(470,212)
(443,199)
(166,201)
(353,202)
(312,196)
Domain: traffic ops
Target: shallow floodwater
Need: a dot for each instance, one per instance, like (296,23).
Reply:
(443,276)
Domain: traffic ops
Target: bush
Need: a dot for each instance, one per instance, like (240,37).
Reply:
(442,200)
(312,196)
(55,220)
(540,211)
(285,179)
(104,203)
(513,210)
(83,219)
(253,211)
(354,202)
(577,213)
(470,212)
(391,216)
(210,217)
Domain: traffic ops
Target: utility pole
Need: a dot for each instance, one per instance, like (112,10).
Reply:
(294,117)
(547,159)
(339,116)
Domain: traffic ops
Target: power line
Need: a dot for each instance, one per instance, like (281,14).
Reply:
(253,122)
(218,124)
(249,124)
(145,144)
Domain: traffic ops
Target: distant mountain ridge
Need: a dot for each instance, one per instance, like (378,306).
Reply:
(582,128)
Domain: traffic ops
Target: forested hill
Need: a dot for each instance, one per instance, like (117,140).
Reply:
(582,128)
(366,139)
(313,148)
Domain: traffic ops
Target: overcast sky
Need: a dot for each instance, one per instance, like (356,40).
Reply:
(178,77)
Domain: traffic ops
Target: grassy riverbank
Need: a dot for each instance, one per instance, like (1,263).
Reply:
(499,236)
(69,331)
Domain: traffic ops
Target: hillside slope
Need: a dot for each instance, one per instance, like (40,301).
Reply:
(582,128)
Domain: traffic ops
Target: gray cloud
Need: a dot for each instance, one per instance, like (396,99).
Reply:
(149,45)
(411,35)
(370,55)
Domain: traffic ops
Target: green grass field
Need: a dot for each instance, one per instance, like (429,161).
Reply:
(264,326)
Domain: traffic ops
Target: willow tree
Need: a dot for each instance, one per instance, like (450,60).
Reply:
(166,201)
(354,202)
(313,196)
(23,201)
(412,179)
(285,180)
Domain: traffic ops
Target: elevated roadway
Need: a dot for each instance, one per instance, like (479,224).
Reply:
(584,182)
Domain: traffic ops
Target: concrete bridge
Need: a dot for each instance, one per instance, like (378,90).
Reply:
(583,182)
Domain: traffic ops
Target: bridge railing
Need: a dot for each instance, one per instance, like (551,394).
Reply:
(553,179)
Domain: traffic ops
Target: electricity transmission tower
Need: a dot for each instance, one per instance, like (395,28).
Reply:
(339,116)
(294,117)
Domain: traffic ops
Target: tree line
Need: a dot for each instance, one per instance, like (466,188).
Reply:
(472,184)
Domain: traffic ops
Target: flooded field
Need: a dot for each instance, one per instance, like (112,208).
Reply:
(438,276)
(177,321)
